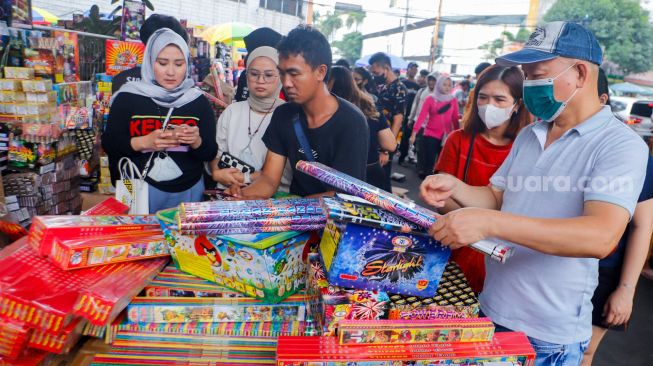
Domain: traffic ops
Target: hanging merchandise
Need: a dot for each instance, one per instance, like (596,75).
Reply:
(21,13)
(67,57)
(121,56)
(133,17)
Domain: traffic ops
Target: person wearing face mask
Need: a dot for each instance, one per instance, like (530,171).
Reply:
(242,125)
(438,117)
(138,111)
(561,199)
(473,153)
(365,82)
(392,98)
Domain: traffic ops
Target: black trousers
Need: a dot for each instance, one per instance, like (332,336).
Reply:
(406,130)
(427,155)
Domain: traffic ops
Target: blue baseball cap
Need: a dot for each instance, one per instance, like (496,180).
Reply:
(556,39)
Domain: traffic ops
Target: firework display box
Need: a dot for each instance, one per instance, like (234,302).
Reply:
(215,310)
(97,251)
(266,266)
(45,228)
(331,304)
(355,332)
(371,258)
(508,348)
(455,299)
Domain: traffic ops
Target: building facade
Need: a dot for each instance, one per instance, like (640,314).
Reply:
(281,15)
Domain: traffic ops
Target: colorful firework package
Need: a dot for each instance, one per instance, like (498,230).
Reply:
(172,282)
(352,209)
(245,217)
(331,304)
(510,348)
(97,251)
(352,332)
(215,310)
(455,299)
(401,207)
(45,228)
(41,295)
(365,257)
(122,55)
(263,265)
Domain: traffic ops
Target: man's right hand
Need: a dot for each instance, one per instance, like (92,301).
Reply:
(436,189)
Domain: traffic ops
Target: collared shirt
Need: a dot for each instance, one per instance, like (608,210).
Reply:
(392,98)
(545,296)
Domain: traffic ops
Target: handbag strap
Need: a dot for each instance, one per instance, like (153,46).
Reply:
(469,157)
(303,141)
(149,161)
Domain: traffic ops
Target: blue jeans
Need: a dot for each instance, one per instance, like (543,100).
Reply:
(552,354)
(160,200)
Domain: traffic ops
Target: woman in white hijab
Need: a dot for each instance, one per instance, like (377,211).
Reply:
(241,150)
(174,156)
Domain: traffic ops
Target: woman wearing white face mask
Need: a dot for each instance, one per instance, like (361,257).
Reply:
(138,112)
(474,153)
(242,125)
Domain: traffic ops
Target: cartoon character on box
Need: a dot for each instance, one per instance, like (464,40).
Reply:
(203,247)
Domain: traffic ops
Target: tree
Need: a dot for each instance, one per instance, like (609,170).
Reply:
(355,18)
(495,47)
(350,46)
(621,27)
(329,23)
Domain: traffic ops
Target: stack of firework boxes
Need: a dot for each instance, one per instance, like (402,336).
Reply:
(71,271)
(388,294)
(229,295)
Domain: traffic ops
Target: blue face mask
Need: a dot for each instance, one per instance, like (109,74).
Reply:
(539,99)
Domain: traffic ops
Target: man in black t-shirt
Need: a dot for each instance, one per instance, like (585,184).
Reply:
(412,86)
(151,25)
(335,130)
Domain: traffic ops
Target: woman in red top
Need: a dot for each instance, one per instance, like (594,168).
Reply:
(440,110)
(496,116)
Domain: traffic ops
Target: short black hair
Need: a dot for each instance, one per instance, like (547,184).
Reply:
(158,21)
(308,42)
(603,85)
(424,72)
(480,67)
(344,63)
(381,58)
(412,64)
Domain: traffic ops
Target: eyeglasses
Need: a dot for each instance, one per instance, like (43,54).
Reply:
(254,75)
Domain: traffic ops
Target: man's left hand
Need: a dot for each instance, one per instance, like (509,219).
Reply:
(462,227)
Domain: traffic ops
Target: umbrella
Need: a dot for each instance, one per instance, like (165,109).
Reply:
(631,88)
(396,61)
(40,16)
(229,33)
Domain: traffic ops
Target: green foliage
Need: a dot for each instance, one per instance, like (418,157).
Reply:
(621,26)
(350,46)
(494,48)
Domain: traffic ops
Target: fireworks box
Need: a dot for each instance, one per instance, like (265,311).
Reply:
(172,282)
(508,348)
(264,265)
(45,228)
(59,343)
(373,258)
(215,310)
(332,304)
(455,299)
(355,332)
(101,250)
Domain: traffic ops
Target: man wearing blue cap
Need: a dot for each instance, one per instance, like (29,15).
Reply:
(562,197)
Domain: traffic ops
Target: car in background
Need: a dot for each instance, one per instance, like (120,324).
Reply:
(621,106)
(639,118)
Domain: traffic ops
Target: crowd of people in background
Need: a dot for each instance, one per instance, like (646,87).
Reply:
(538,112)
